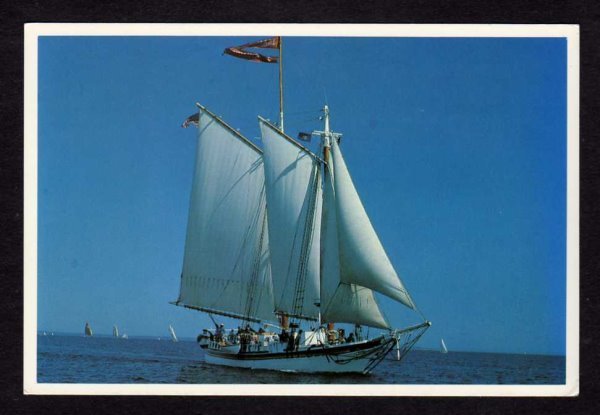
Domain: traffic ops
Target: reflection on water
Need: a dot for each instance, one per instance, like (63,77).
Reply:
(205,373)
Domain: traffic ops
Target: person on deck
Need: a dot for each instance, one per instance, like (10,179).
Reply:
(292,341)
(341,335)
(297,341)
(220,334)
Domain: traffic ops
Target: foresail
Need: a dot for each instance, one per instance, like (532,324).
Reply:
(341,302)
(363,260)
(226,266)
(293,190)
(354,304)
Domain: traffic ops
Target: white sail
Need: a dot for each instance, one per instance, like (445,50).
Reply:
(226,266)
(443,347)
(115,331)
(172,333)
(341,302)
(88,329)
(363,260)
(292,176)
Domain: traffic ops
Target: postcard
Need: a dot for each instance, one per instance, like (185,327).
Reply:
(350,210)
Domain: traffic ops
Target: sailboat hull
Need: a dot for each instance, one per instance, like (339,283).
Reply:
(359,357)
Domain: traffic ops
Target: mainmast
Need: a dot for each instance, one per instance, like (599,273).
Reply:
(326,136)
(281,84)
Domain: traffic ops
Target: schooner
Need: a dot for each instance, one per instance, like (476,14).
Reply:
(277,237)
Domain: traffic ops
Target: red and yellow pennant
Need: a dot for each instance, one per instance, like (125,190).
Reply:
(242,53)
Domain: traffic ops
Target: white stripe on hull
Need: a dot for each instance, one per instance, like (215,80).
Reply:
(360,357)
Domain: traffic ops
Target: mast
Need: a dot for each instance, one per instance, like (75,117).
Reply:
(344,252)
(326,139)
(281,83)
(326,135)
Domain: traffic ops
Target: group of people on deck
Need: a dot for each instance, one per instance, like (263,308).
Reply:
(339,336)
(250,339)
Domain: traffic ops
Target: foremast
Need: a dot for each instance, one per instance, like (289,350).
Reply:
(349,288)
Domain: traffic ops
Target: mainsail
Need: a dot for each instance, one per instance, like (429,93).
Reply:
(226,268)
(293,190)
(115,331)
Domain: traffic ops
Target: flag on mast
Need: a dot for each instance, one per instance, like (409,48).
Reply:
(192,119)
(241,52)
(304,136)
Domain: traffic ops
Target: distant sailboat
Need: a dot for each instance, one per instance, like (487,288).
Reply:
(88,329)
(115,331)
(124,336)
(172,332)
(443,347)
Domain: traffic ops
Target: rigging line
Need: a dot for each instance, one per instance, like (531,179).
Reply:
(418,310)
(252,286)
(324,93)
(307,240)
(239,261)
(289,264)
(303,117)
(310,80)
(303,112)
(304,120)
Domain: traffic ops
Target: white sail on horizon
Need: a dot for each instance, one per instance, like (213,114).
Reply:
(226,266)
(115,331)
(443,347)
(172,333)
(293,190)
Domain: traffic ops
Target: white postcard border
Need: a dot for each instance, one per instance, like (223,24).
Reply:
(34,30)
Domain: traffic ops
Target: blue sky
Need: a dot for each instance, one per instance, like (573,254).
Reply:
(457,147)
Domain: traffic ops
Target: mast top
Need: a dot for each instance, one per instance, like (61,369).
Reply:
(326,135)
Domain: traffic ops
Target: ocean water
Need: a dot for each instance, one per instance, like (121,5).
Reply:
(77,359)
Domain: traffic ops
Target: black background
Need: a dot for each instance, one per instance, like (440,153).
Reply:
(15,14)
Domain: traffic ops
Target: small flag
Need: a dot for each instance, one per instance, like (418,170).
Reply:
(304,136)
(192,119)
(240,51)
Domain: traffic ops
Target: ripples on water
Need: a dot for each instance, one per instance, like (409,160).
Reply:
(77,359)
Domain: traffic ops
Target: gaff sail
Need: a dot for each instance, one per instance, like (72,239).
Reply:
(226,266)
(293,190)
